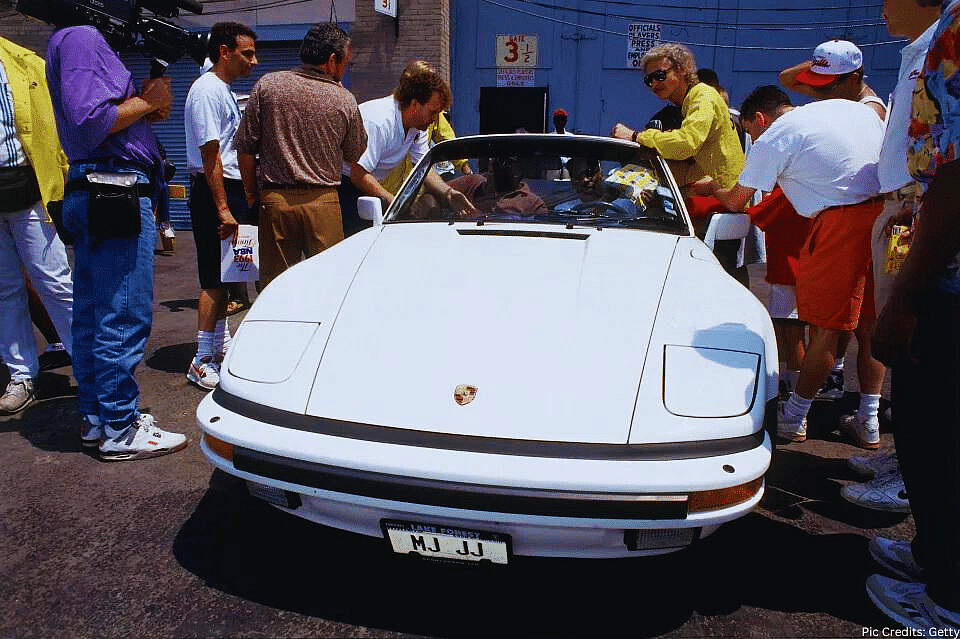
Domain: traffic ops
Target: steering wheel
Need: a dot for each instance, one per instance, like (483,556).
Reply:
(584,206)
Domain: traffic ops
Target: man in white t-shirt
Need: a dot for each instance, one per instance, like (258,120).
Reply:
(835,72)
(396,125)
(217,199)
(824,157)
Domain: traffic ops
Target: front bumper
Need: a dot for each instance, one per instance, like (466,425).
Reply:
(580,502)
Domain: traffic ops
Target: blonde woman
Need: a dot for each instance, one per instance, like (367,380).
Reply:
(706,139)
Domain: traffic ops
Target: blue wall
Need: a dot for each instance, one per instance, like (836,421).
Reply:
(583,46)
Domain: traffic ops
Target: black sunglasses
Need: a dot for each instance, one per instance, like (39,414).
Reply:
(659,75)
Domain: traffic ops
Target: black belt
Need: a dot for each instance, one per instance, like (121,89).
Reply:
(283,187)
(198,176)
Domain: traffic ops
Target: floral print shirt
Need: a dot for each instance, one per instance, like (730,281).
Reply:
(935,118)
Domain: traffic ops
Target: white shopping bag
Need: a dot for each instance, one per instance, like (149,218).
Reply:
(240,262)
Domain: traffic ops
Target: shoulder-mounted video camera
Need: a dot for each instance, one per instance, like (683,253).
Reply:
(142,25)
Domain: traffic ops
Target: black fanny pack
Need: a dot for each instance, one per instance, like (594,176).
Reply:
(114,209)
(18,188)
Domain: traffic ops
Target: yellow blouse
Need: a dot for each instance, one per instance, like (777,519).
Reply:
(706,136)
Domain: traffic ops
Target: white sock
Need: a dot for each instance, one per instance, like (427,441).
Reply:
(796,408)
(869,407)
(789,377)
(204,345)
(221,336)
(838,364)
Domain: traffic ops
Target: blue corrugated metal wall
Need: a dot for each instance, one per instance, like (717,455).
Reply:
(582,49)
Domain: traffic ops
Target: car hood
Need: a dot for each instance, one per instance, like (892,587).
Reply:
(545,331)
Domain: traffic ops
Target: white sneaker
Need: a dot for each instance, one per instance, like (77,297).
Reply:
(18,396)
(90,435)
(140,440)
(885,493)
(864,434)
(875,465)
(907,603)
(896,557)
(205,373)
(788,430)
(167,236)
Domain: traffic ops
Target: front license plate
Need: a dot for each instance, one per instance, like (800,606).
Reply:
(442,542)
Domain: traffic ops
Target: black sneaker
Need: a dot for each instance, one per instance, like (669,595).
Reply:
(833,387)
(55,356)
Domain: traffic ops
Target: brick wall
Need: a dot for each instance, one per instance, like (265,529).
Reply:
(25,31)
(379,54)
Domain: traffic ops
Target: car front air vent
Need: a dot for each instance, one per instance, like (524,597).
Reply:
(508,233)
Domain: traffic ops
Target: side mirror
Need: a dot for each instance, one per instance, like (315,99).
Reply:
(370,209)
(728,226)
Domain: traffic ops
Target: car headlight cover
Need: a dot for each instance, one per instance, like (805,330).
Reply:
(268,352)
(709,382)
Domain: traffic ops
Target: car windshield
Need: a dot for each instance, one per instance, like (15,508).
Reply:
(545,179)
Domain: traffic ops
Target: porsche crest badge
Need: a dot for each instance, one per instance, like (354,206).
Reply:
(463,394)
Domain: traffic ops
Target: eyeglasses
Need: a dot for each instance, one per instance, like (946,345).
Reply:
(586,174)
(659,75)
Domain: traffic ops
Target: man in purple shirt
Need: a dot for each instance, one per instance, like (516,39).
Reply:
(104,127)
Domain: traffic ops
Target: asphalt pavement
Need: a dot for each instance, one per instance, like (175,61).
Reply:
(168,547)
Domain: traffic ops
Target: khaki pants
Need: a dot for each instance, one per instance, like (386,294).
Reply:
(296,223)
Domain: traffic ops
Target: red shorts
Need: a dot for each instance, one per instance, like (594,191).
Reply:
(834,283)
(785,233)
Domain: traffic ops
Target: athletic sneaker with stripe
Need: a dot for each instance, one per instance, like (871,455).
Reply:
(139,440)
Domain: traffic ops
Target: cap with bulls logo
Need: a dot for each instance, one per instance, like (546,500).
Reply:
(831,60)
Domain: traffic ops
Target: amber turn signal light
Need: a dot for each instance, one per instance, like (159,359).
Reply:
(218,446)
(723,497)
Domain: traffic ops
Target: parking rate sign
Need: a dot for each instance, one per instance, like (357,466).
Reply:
(641,37)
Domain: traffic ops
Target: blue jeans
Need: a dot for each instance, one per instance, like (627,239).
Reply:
(113,303)
(27,241)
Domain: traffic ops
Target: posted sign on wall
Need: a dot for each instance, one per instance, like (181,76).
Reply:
(386,7)
(516,77)
(517,51)
(641,37)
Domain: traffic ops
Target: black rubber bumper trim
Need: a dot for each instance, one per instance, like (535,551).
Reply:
(581,505)
(667,451)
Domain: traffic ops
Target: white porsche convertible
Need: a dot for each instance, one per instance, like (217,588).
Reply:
(558,368)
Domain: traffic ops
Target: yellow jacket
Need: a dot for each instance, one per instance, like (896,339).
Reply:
(706,135)
(438,131)
(33,113)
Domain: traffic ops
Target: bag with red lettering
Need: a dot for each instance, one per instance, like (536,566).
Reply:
(240,261)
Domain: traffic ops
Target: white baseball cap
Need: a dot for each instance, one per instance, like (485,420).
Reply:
(831,60)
